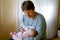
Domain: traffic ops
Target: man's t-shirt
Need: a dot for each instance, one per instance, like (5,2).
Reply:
(38,23)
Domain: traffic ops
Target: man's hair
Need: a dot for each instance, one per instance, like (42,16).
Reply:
(27,5)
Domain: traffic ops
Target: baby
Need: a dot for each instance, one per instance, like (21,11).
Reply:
(30,32)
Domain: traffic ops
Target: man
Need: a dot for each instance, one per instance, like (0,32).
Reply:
(33,19)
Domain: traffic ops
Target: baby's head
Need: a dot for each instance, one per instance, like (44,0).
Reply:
(22,29)
(32,32)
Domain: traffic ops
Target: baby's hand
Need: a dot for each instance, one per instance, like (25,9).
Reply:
(12,33)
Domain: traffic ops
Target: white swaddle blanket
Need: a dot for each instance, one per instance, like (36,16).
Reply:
(17,36)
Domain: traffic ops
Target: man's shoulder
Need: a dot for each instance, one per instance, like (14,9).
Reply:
(39,15)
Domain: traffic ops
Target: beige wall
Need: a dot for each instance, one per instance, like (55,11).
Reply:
(0,12)
(59,12)
(7,18)
(59,15)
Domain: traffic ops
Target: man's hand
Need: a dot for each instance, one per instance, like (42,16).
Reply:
(22,29)
(32,32)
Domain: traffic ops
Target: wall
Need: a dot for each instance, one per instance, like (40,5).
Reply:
(59,16)
(0,12)
(7,18)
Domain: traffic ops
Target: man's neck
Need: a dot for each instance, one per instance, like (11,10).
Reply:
(33,15)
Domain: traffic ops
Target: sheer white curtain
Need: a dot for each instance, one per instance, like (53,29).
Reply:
(49,9)
(19,12)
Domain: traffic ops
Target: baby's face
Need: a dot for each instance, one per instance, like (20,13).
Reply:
(22,29)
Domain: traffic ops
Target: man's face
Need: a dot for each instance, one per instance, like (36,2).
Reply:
(29,13)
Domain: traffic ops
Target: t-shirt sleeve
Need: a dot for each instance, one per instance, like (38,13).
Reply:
(40,28)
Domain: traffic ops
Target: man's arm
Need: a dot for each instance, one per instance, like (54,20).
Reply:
(22,24)
(40,28)
(32,32)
